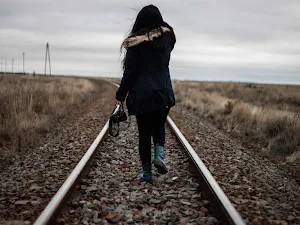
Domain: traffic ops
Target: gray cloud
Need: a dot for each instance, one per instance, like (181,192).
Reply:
(85,36)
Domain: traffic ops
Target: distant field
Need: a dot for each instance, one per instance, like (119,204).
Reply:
(268,114)
(29,104)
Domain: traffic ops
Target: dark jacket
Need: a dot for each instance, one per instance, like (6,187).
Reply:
(146,76)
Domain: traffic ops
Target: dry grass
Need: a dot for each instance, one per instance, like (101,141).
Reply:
(29,104)
(265,113)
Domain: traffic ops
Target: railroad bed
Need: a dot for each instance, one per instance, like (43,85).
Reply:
(112,192)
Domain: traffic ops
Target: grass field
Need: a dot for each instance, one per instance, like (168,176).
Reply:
(266,113)
(29,104)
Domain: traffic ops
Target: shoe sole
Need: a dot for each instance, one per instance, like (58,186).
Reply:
(161,167)
(147,181)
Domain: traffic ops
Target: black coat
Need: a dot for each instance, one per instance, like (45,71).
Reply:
(146,76)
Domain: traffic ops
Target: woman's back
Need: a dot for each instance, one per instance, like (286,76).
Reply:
(154,55)
(147,66)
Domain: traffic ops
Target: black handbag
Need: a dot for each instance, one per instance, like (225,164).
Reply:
(118,115)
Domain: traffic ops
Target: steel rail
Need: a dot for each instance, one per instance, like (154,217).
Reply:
(221,204)
(223,207)
(53,208)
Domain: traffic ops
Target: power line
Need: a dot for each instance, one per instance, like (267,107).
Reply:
(23,62)
(47,56)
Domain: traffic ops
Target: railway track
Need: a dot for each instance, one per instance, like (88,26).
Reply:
(111,192)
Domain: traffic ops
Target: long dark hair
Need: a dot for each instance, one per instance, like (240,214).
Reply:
(149,18)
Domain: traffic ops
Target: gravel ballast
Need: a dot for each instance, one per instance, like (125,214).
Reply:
(113,193)
(27,186)
(257,187)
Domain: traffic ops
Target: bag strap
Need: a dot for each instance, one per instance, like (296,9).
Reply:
(110,127)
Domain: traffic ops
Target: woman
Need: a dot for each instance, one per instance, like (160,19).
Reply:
(147,82)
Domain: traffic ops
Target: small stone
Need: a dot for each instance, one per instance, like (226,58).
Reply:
(137,218)
(184,220)
(146,211)
(34,188)
(96,218)
(92,188)
(82,202)
(96,202)
(212,220)
(104,213)
(261,202)
(22,202)
(175,179)
(107,165)
(170,196)
(104,199)
(130,220)
(35,202)
(154,201)
(282,222)
(169,204)
(290,218)
(128,217)
(73,204)
(201,214)
(196,196)
(186,212)
(169,181)
(185,202)
(115,162)
(89,205)
(113,217)
(155,192)
(25,213)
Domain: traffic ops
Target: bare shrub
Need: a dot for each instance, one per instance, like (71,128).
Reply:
(294,157)
(274,127)
(267,113)
(228,107)
(27,105)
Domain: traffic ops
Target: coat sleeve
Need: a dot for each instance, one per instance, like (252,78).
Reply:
(129,75)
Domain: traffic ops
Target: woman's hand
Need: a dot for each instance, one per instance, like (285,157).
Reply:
(119,97)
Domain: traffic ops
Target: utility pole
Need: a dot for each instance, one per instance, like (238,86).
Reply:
(23,62)
(47,55)
(1,67)
(5,66)
(12,65)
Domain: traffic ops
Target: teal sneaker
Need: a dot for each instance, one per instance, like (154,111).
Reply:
(146,174)
(159,159)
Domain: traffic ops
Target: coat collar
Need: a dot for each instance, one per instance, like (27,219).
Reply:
(136,40)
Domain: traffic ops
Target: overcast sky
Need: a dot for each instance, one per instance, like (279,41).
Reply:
(216,39)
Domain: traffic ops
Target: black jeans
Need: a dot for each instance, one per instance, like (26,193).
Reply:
(151,125)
